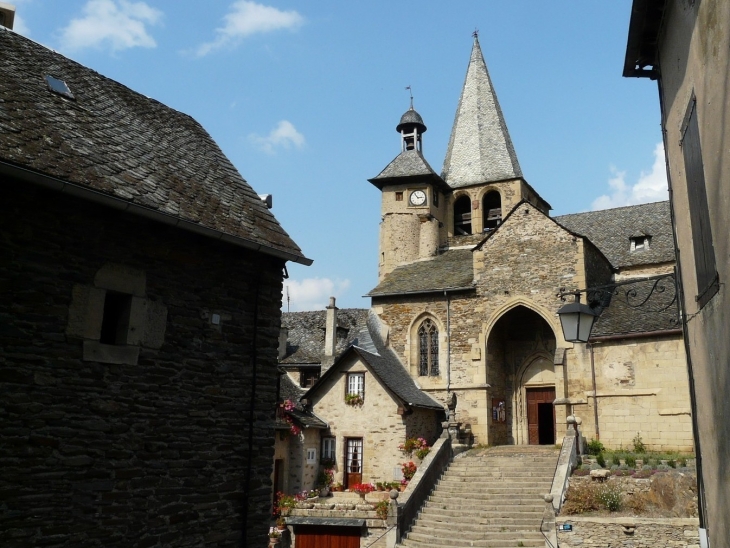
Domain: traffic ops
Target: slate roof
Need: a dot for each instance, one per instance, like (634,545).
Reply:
(611,229)
(306,330)
(409,163)
(646,305)
(384,364)
(450,270)
(113,142)
(289,390)
(480,149)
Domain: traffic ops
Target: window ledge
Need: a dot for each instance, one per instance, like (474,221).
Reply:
(94,351)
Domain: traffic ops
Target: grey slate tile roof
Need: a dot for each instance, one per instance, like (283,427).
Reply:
(409,163)
(384,363)
(480,149)
(289,390)
(121,144)
(450,270)
(611,229)
(306,330)
(627,312)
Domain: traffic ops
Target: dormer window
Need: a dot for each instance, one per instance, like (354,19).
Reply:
(640,243)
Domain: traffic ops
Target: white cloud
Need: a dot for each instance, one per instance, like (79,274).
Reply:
(651,186)
(120,24)
(312,293)
(247,18)
(284,135)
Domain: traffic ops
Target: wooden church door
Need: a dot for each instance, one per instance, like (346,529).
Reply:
(541,416)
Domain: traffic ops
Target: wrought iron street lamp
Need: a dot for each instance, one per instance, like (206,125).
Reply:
(577,319)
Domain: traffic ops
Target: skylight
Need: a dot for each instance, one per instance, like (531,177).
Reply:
(59,86)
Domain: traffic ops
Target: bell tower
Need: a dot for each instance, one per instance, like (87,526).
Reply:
(413,201)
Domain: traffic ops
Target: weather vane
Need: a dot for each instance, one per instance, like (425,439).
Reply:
(410,92)
(475,34)
(287,298)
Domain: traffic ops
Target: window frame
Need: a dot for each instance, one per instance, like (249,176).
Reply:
(428,328)
(329,448)
(348,382)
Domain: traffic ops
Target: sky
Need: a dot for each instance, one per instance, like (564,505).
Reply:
(304,97)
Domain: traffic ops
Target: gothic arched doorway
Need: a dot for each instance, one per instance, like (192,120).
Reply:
(520,348)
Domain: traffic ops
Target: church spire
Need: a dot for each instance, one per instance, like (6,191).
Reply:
(480,149)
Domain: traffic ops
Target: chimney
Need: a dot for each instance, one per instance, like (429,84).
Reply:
(330,336)
(283,337)
(7,15)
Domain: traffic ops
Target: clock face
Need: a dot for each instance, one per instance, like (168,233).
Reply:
(418,198)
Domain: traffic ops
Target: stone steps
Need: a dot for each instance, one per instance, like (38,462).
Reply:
(492,499)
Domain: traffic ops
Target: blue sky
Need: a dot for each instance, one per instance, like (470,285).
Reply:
(304,98)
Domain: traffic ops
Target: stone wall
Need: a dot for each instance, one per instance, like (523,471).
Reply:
(642,388)
(611,532)
(117,454)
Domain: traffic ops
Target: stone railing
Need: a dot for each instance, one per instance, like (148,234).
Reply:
(567,460)
(423,482)
(595,532)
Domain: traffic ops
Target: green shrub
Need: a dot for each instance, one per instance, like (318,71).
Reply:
(682,462)
(631,461)
(595,447)
(601,460)
(639,446)
(610,497)
(615,459)
(672,463)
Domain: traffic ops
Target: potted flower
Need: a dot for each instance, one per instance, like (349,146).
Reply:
(337,487)
(403,484)
(324,480)
(379,486)
(409,470)
(419,446)
(280,524)
(362,489)
(274,537)
(353,399)
(283,504)
(381,509)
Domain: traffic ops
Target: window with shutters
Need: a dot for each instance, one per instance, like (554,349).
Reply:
(428,349)
(699,213)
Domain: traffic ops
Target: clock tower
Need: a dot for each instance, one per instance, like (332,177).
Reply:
(414,201)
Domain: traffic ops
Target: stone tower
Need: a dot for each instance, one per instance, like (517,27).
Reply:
(413,201)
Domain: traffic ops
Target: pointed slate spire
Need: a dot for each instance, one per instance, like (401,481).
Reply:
(480,149)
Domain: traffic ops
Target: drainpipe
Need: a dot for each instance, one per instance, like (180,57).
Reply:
(595,393)
(448,343)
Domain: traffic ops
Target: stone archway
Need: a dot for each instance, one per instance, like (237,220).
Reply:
(520,347)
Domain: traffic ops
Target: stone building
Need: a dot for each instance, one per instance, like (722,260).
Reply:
(685,47)
(470,267)
(141,280)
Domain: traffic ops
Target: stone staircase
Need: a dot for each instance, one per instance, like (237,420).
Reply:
(490,498)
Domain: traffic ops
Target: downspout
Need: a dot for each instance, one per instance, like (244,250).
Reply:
(251,414)
(595,393)
(448,343)
(701,502)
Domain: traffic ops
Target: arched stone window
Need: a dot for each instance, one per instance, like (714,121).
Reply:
(428,349)
(492,208)
(462,216)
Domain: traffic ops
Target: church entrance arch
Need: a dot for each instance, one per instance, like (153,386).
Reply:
(521,374)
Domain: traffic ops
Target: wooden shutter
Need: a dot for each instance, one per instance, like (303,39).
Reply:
(699,212)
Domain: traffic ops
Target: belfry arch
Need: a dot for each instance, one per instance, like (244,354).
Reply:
(520,372)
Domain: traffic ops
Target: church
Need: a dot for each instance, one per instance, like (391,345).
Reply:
(472,272)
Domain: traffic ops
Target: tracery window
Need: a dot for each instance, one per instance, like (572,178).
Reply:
(428,349)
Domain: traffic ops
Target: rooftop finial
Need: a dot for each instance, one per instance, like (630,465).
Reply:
(475,34)
(410,92)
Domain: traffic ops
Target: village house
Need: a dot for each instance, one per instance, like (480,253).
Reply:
(685,47)
(141,278)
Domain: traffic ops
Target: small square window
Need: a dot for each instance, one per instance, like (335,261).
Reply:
(311,456)
(307,378)
(398,196)
(59,86)
(639,243)
(115,322)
